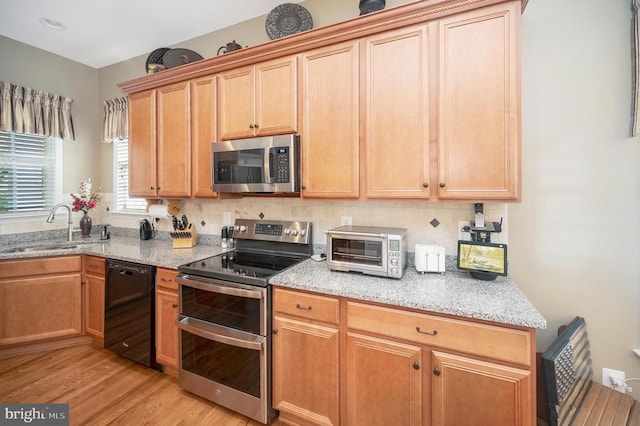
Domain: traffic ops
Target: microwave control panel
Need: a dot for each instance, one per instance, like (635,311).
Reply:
(281,165)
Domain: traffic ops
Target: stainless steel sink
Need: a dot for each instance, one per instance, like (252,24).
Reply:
(63,245)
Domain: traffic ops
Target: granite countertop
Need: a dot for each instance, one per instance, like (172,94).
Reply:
(453,293)
(156,252)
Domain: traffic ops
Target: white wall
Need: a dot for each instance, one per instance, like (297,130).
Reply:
(575,238)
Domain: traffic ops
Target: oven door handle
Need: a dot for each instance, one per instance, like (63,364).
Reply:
(356,234)
(217,288)
(183,323)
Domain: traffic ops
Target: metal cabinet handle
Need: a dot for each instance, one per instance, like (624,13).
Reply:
(430,333)
(175,305)
(303,187)
(304,308)
(442,184)
(164,280)
(256,126)
(416,365)
(251,126)
(425,185)
(436,371)
(275,331)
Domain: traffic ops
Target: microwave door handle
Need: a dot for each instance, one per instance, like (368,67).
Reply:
(268,167)
(183,324)
(357,234)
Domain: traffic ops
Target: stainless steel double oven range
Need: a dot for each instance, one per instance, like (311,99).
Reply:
(225,315)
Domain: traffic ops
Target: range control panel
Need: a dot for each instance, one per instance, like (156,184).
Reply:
(272,230)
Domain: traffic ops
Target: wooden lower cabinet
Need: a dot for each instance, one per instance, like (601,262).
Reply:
(94,279)
(40,299)
(305,372)
(396,366)
(467,391)
(383,382)
(167,345)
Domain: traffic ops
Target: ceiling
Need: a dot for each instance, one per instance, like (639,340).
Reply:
(100,33)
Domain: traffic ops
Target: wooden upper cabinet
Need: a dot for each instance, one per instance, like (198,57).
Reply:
(259,100)
(142,144)
(159,142)
(478,104)
(397,114)
(203,133)
(330,122)
(174,141)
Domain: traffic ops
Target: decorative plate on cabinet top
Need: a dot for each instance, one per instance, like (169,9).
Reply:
(288,19)
(176,57)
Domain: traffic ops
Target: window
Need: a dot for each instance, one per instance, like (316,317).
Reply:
(30,173)
(123,202)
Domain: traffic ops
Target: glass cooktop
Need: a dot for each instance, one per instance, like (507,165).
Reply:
(241,266)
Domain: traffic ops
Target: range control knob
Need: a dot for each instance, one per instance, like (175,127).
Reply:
(287,231)
(295,232)
(243,228)
(303,232)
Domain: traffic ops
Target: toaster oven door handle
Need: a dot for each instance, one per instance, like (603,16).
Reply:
(198,328)
(357,234)
(217,288)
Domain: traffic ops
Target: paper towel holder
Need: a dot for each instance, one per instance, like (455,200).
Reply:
(173,206)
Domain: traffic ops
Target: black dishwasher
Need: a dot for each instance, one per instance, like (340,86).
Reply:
(129,311)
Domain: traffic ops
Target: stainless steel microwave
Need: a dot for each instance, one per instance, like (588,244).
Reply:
(257,165)
(368,249)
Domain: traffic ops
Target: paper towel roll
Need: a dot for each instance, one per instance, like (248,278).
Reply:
(158,210)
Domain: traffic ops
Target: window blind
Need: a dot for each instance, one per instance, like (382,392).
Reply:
(123,201)
(27,172)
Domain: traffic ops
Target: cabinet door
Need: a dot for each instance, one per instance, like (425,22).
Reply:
(142,144)
(397,114)
(203,132)
(40,308)
(166,330)
(479,111)
(276,108)
(305,371)
(330,122)
(174,141)
(383,382)
(470,392)
(236,101)
(94,305)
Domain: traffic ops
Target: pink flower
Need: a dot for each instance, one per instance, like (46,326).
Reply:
(87,199)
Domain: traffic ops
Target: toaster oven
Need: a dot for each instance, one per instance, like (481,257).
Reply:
(368,249)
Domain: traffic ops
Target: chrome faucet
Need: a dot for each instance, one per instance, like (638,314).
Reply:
(52,215)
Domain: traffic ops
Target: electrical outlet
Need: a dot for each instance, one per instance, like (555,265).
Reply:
(462,235)
(345,220)
(613,379)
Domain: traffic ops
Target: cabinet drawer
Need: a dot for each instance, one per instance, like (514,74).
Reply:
(306,305)
(479,339)
(166,278)
(94,265)
(40,266)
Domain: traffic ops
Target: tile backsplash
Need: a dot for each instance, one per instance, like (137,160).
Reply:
(209,215)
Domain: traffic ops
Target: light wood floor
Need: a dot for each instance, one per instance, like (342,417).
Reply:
(103,388)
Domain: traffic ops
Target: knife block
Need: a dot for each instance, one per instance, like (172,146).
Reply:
(185,239)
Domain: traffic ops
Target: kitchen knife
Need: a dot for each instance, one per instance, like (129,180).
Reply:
(175,223)
(185,222)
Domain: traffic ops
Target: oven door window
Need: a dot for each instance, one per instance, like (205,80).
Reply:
(242,313)
(232,366)
(362,252)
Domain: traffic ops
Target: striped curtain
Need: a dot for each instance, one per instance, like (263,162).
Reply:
(116,120)
(27,111)
(635,64)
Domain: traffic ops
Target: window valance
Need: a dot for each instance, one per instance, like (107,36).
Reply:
(116,122)
(30,111)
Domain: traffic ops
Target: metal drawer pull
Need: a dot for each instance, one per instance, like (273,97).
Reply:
(436,371)
(304,308)
(430,333)
(416,365)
